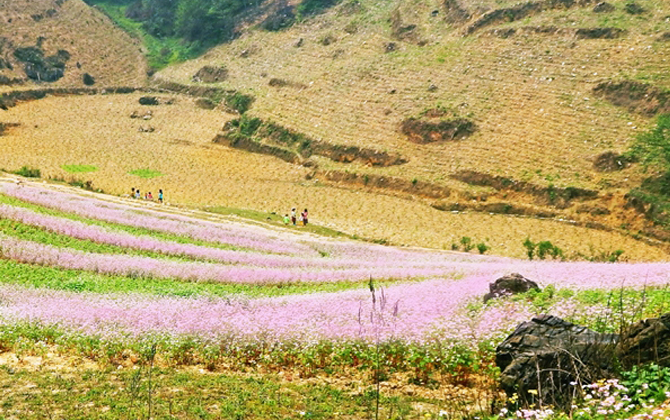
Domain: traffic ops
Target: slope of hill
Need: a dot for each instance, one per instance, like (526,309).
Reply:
(57,42)
(110,289)
(385,75)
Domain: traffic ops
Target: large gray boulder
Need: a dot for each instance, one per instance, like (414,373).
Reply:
(544,361)
(646,341)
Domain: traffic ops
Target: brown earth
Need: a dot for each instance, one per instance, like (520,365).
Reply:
(94,44)
(59,130)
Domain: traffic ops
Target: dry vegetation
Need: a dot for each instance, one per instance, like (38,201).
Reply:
(107,53)
(530,95)
(97,130)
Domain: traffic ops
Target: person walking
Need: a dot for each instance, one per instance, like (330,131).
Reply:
(132,194)
(304,217)
(160,196)
(137,193)
(294,216)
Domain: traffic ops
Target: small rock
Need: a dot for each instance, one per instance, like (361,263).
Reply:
(510,285)
(603,7)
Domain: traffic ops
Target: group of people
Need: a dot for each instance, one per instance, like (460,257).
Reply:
(295,219)
(135,193)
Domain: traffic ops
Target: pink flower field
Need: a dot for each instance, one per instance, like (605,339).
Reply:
(426,301)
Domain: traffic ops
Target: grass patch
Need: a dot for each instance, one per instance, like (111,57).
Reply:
(116,394)
(146,173)
(54,278)
(79,169)
(277,218)
(160,52)
(28,172)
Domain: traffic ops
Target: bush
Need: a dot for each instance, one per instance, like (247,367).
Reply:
(530,248)
(482,247)
(467,243)
(653,147)
(239,102)
(314,7)
(29,172)
(647,383)
(542,249)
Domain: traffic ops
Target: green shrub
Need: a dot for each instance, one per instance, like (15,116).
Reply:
(647,383)
(239,102)
(467,244)
(482,247)
(530,248)
(314,7)
(29,172)
(546,248)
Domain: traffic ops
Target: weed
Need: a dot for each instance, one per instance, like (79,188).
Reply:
(467,243)
(482,247)
(29,172)
(75,169)
(146,173)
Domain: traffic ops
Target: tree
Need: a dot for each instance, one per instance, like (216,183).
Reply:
(653,147)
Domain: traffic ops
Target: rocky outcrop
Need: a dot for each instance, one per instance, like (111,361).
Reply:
(599,33)
(544,361)
(603,7)
(646,341)
(427,131)
(211,74)
(611,162)
(511,284)
(637,97)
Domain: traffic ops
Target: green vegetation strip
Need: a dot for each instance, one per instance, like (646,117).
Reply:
(4,199)
(273,217)
(31,233)
(76,169)
(53,278)
(146,173)
(168,393)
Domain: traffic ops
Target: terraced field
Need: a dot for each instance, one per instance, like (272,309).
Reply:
(106,279)
(350,78)
(97,133)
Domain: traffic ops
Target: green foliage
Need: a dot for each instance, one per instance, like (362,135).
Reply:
(313,7)
(546,248)
(123,393)
(647,384)
(146,173)
(239,102)
(482,247)
(542,250)
(466,243)
(75,169)
(176,30)
(530,248)
(29,172)
(652,148)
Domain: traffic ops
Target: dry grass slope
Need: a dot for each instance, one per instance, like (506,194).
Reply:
(530,94)
(97,130)
(95,45)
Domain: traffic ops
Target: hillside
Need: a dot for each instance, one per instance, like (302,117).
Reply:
(385,75)
(117,307)
(404,123)
(56,42)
